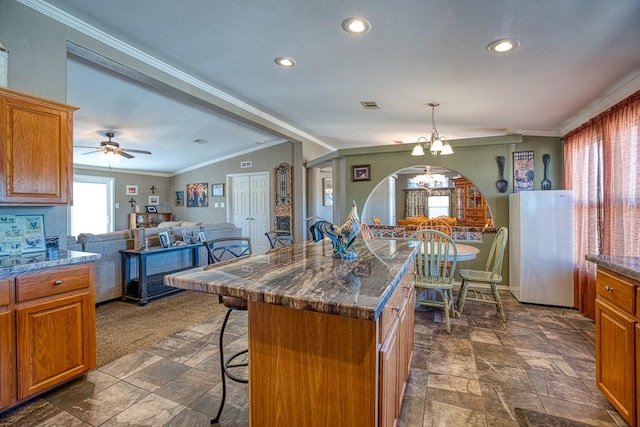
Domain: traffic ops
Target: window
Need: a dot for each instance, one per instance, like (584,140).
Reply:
(437,206)
(93,206)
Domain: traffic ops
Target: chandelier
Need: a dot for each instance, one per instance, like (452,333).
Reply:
(437,145)
(428,180)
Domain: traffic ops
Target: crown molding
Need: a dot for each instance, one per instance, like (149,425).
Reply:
(617,93)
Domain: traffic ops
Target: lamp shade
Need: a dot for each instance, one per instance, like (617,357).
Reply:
(417,150)
(446,149)
(436,145)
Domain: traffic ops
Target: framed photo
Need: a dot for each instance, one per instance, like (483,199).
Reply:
(523,167)
(154,200)
(152,209)
(361,173)
(165,241)
(131,190)
(197,195)
(179,201)
(202,237)
(327,192)
(217,190)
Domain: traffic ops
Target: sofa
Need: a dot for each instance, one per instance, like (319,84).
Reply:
(108,269)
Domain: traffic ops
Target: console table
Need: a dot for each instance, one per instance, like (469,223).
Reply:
(147,287)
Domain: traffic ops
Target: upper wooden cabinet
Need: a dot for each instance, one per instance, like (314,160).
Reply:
(36,157)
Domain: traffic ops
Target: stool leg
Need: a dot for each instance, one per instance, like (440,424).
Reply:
(496,296)
(216,420)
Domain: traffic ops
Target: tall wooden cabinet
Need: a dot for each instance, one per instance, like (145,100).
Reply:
(51,319)
(470,208)
(36,150)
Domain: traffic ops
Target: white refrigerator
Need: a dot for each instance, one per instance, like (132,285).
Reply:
(541,247)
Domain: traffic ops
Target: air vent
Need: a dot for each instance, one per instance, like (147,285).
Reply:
(247,164)
(370,105)
(201,141)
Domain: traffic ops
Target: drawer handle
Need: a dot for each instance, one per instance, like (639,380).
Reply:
(397,308)
(57,283)
(607,288)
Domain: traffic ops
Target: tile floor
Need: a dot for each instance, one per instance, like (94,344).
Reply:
(541,359)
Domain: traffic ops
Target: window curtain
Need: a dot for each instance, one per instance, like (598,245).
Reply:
(602,167)
(415,202)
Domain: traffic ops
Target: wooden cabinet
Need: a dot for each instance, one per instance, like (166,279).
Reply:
(470,207)
(36,150)
(7,387)
(312,368)
(54,331)
(396,351)
(617,339)
(146,220)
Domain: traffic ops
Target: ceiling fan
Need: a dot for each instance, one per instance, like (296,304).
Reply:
(111,148)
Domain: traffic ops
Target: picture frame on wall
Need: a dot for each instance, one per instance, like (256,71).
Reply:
(179,201)
(217,190)
(154,200)
(197,195)
(523,167)
(361,173)
(131,190)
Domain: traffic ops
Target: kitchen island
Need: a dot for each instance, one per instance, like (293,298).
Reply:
(618,333)
(330,341)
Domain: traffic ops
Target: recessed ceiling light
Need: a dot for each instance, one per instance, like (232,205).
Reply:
(285,61)
(356,25)
(503,45)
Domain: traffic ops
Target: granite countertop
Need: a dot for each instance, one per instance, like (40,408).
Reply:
(11,265)
(627,266)
(305,276)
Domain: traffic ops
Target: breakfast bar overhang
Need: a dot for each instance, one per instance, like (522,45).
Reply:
(330,340)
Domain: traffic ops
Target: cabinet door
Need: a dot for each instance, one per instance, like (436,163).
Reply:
(389,361)
(36,150)
(56,342)
(7,351)
(615,358)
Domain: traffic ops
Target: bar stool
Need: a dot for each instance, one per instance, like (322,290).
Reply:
(220,250)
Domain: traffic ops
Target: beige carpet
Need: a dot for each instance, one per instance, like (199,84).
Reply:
(125,327)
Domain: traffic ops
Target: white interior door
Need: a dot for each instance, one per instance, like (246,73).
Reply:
(250,207)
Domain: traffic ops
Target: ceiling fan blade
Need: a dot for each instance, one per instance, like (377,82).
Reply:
(135,151)
(91,152)
(84,146)
(123,154)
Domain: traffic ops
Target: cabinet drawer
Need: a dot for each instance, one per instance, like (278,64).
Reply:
(396,304)
(617,289)
(52,282)
(5,292)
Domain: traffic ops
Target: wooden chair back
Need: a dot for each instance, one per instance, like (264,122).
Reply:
(365,231)
(438,225)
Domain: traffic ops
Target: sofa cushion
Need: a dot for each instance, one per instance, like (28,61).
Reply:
(170,224)
(116,235)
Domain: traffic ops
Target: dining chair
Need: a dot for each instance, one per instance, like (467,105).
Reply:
(279,239)
(492,274)
(376,220)
(219,250)
(436,224)
(435,266)
(365,231)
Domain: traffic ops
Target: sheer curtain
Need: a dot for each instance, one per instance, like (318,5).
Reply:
(602,167)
